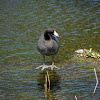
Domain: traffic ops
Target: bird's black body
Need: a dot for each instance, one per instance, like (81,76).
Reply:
(48,43)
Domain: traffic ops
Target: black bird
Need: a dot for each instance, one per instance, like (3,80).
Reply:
(48,45)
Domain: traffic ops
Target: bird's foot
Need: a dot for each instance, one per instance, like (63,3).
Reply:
(53,66)
(43,67)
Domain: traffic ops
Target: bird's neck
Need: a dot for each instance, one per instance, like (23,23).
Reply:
(46,36)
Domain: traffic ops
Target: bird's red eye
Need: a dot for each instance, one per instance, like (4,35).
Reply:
(52,30)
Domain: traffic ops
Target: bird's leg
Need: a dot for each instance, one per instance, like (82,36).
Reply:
(43,66)
(43,59)
(46,66)
(53,65)
(52,58)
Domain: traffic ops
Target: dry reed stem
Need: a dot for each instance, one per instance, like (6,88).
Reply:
(46,84)
(96,80)
(75,97)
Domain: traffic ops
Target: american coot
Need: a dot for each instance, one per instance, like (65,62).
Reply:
(48,46)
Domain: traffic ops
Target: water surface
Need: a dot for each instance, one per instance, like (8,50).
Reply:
(22,22)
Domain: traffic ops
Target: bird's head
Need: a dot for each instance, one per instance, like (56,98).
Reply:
(51,32)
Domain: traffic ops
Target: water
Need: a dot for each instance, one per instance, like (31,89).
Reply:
(22,22)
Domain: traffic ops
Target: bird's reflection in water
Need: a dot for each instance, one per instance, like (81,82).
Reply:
(49,81)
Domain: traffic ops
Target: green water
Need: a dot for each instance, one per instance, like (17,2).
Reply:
(22,22)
